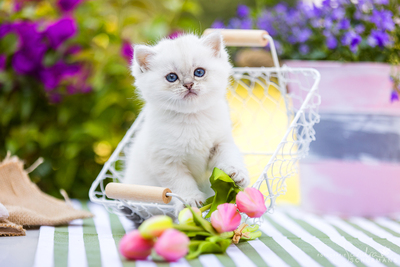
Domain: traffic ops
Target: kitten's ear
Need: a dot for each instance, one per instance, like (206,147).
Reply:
(214,40)
(142,56)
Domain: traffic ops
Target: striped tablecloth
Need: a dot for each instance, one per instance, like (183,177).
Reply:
(290,238)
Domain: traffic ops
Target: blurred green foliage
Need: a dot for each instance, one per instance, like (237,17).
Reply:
(76,136)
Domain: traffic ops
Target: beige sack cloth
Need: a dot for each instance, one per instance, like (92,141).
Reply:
(8,228)
(26,204)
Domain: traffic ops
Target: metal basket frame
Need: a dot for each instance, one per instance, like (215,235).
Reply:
(145,210)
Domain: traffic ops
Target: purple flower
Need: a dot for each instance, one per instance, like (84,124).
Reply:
(235,23)
(3,60)
(380,38)
(338,13)
(218,25)
(174,34)
(394,96)
(303,35)
(60,31)
(52,76)
(381,2)
(352,40)
(247,23)
(265,22)
(304,49)
(359,29)
(242,11)
(281,8)
(331,42)
(5,28)
(344,24)
(127,51)
(67,5)
(23,63)
(383,19)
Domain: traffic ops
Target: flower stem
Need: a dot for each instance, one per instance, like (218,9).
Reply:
(204,208)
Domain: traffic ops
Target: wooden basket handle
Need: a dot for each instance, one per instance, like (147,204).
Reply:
(254,38)
(142,193)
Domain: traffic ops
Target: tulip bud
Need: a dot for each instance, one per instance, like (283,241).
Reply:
(186,217)
(155,226)
(134,247)
(226,218)
(251,202)
(172,245)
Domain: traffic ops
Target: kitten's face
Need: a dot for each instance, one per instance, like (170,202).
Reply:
(186,74)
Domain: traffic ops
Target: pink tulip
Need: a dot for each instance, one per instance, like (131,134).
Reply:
(134,247)
(226,218)
(172,245)
(251,202)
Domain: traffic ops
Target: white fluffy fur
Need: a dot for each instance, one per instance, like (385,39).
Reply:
(183,138)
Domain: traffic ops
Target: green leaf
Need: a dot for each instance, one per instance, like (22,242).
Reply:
(187,228)
(199,221)
(9,44)
(225,190)
(196,247)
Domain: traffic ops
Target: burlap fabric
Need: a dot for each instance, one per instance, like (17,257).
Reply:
(26,204)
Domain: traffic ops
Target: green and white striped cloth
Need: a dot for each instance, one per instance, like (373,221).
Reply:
(290,238)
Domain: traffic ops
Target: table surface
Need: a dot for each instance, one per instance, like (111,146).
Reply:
(290,238)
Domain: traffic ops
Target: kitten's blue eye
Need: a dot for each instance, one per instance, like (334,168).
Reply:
(172,77)
(199,72)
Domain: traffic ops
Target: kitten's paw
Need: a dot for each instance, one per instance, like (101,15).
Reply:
(238,175)
(194,200)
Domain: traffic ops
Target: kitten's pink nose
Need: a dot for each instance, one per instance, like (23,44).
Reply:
(188,85)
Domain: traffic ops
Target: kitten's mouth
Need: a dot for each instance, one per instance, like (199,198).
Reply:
(190,94)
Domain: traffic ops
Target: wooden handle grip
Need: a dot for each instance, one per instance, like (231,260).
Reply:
(241,37)
(142,193)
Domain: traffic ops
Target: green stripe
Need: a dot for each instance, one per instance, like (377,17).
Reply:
(307,248)
(195,263)
(325,239)
(118,232)
(278,250)
(363,247)
(225,260)
(386,229)
(61,246)
(251,253)
(382,241)
(91,240)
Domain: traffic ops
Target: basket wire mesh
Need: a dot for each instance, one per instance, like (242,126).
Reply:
(273,111)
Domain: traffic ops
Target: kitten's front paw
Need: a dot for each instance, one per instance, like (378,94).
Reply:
(238,175)
(194,200)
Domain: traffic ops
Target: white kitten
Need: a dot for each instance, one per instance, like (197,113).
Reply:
(187,130)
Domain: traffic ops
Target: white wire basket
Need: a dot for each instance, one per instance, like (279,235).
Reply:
(273,111)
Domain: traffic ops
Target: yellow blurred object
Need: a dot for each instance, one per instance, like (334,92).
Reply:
(260,120)
(101,40)
(44,8)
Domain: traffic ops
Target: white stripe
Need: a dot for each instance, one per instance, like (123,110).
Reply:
(267,254)
(76,245)
(333,256)
(108,250)
(210,260)
(126,223)
(238,256)
(145,263)
(44,256)
(300,256)
(363,238)
(374,229)
(388,224)
(180,263)
(334,235)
